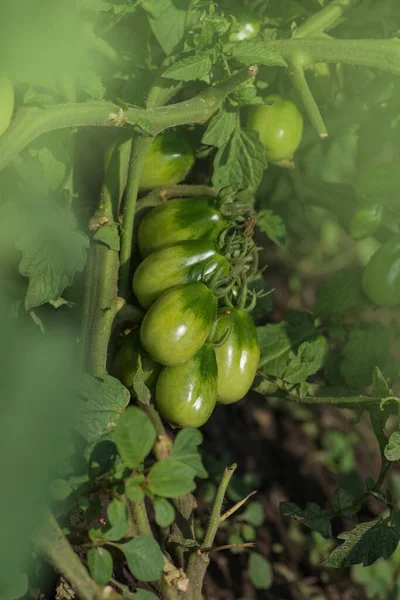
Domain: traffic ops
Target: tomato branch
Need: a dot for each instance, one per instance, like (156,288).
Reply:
(323,19)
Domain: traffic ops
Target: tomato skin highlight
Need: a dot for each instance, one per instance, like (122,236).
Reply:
(178,323)
(6,102)
(184,262)
(238,356)
(186,394)
(249,27)
(168,161)
(178,220)
(126,362)
(381,278)
(280,127)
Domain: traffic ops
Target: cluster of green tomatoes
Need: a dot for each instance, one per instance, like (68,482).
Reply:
(197,342)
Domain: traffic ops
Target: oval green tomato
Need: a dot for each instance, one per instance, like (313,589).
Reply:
(178,323)
(168,161)
(366,221)
(186,394)
(179,220)
(181,263)
(280,127)
(381,278)
(126,362)
(6,102)
(248,27)
(238,356)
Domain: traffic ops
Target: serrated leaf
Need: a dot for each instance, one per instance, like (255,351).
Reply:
(134,436)
(365,544)
(343,291)
(117,514)
(138,384)
(185,450)
(108,235)
(165,512)
(220,129)
(101,405)
(260,571)
(392,450)
(312,516)
(272,225)
(144,557)
(170,478)
(340,501)
(100,565)
(309,360)
(249,52)
(191,68)
(167,21)
(240,163)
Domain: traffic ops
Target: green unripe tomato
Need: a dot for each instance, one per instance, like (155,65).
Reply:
(186,394)
(178,323)
(6,102)
(178,220)
(181,263)
(126,362)
(168,161)
(366,221)
(238,356)
(381,278)
(249,27)
(280,127)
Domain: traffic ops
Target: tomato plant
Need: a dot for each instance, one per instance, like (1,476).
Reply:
(381,279)
(247,27)
(6,101)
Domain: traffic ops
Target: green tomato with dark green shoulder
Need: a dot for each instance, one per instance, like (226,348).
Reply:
(381,278)
(169,160)
(181,263)
(126,362)
(178,323)
(248,27)
(238,356)
(280,127)
(186,394)
(178,220)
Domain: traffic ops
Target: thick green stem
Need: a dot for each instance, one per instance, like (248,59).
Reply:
(199,560)
(140,146)
(300,84)
(139,518)
(323,19)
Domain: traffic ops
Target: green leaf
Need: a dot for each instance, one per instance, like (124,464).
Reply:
(185,450)
(134,436)
(340,501)
(272,225)
(170,478)
(167,21)
(220,129)
(253,514)
(191,68)
(117,514)
(165,512)
(101,405)
(392,450)
(378,415)
(248,533)
(367,348)
(309,360)
(240,163)
(108,235)
(138,383)
(260,571)
(100,565)
(312,516)
(249,52)
(144,557)
(133,491)
(343,291)
(365,544)
(143,595)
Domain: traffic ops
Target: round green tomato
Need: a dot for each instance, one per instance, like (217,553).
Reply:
(248,27)
(178,323)
(126,362)
(179,220)
(280,127)
(6,102)
(186,394)
(168,161)
(366,221)
(181,263)
(238,356)
(381,278)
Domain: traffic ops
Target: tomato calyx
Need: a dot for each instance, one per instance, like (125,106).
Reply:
(218,282)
